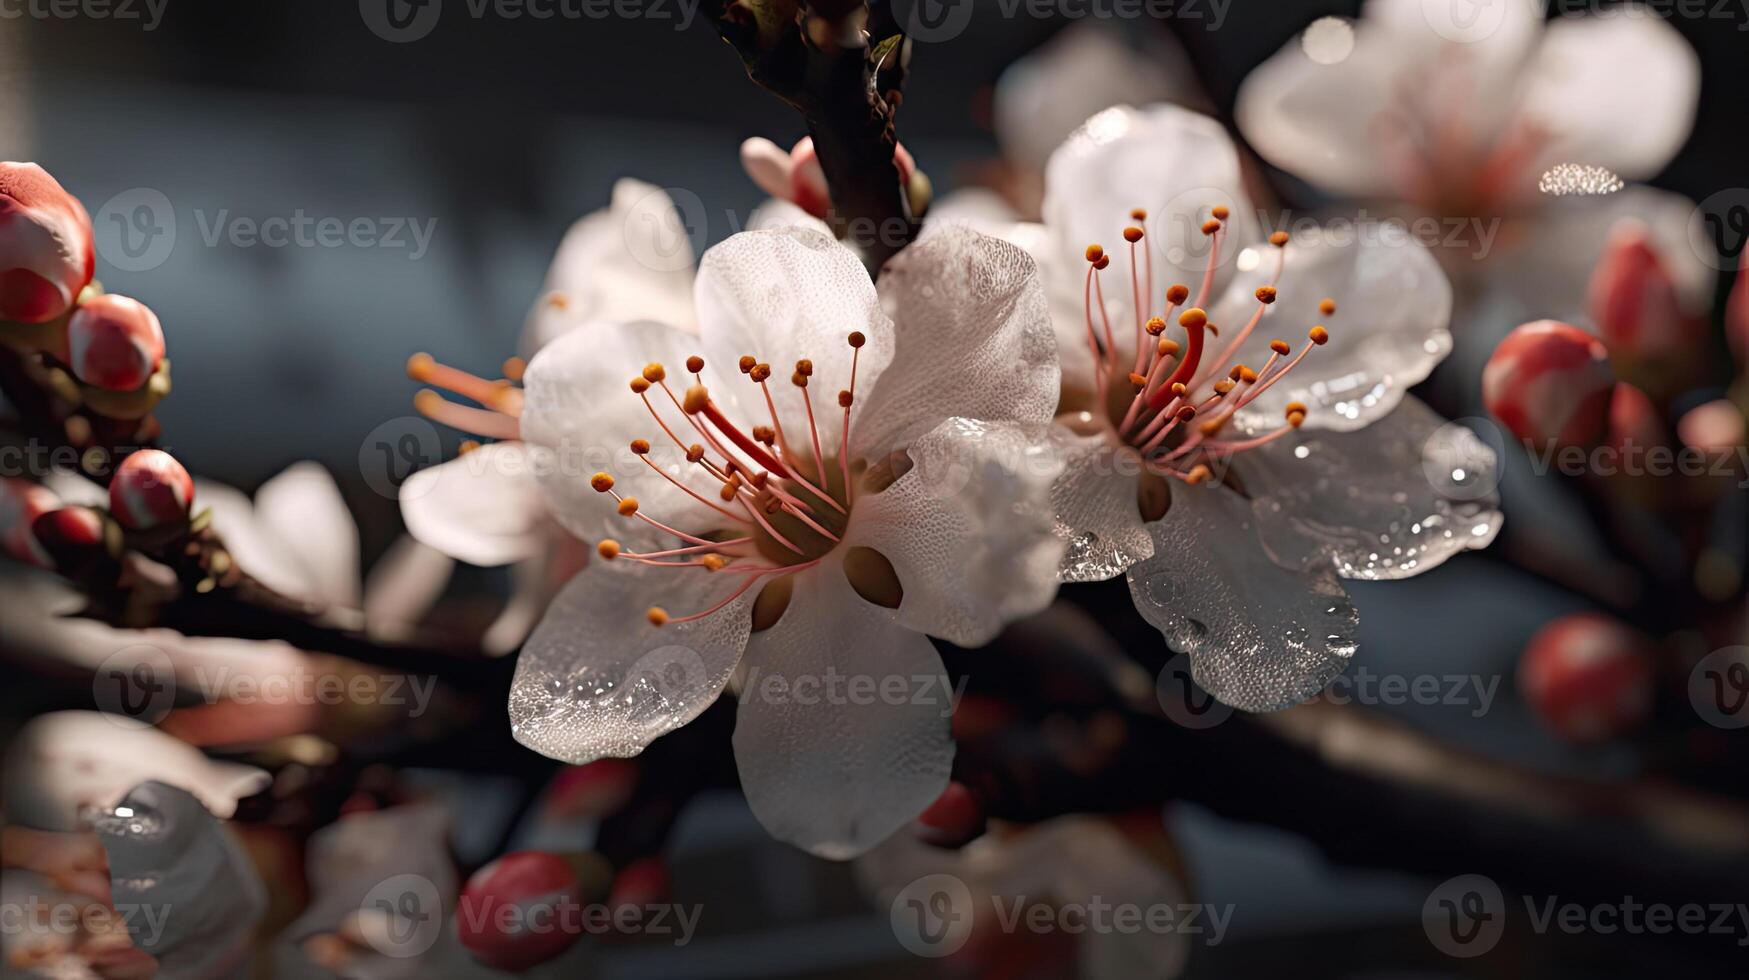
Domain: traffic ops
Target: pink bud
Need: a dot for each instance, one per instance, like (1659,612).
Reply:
(1715,428)
(114,342)
(150,489)
(520,911)
(592,791)
(955,818)
(1587,677)
(807,180)
(21,503)
(1549,382)
(1633,300)
(71,536)
(1634,423)
(1737,314)
(46,256)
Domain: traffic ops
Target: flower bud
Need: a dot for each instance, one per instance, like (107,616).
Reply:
(1737,315)
(1634,423)
(1635,306)
(521,910)
(72,537)
(150,489)
(21,503)
(1550,382)
(114,342)
(46,256)
(1587,677)
(955,818)
(592,791)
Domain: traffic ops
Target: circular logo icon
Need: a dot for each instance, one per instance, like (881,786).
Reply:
(1459,463)
(675,674)
(1465,916)
(934,21)
(395,450)
(1468,21)
(1718,228)
(1718,687)
(402,916)
(1183,700)
(400,21)
(932,916)
(665,228)
(1175,229)
(135,230)
(137,682)
(942,468)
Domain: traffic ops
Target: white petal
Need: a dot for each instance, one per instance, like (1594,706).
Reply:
(972,337)
(1171,162)
(596,680)
(1389,330)
(630,261)
(403,585)
(484,507)
(785,295)
(1388,502)
(579,417)
(1631,122)
(1097,513)
(779,213)
(254,546)
(827,765)
(968,529)
(767,164)
(1259,637)
(304,510)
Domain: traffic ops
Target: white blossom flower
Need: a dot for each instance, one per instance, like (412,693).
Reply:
(895,484)
(1235,479)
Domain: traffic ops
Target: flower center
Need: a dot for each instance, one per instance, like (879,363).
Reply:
(1169,404)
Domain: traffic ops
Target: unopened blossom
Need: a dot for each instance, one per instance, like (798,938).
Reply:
(823,474)
(46,255)
(1240,448)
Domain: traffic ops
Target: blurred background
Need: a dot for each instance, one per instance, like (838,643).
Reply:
(482,140)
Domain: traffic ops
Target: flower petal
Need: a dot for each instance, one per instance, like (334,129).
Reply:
(972,337)
(250,541)
(776,212)
(484,507)
(1259,636)
(1097,511)
(784,295)
(579,417)
(1388,332)
(836,773)
(403,585)
(968,529)
(1389,502)
(1171,162)
(596,680)
(1575,87)
(303,509)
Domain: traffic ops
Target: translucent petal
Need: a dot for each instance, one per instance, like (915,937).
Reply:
(251,542)
(596,680)
(841,735)
(785,295)
(1259,636)
(1576,88)
(1390,501)
(968,529)
(484,507)
(403,585)
(1388,332)
(778,213)
(579,417)
(972,337)
(1171,162)
(1097,513)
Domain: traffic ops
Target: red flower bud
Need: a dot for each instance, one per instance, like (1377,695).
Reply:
(114,342)
(1633,300)
(1587,677)
(1634,423)
(645,881)
(72,536)
(46,256)
(150,489)
(21,503)
(1737,314)
(592,791)
(954,819)
(1550,382)
(521,910)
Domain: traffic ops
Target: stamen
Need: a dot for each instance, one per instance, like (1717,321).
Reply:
(805,370)
(496,395)
(479,421)
(1212,228)
(628,507)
